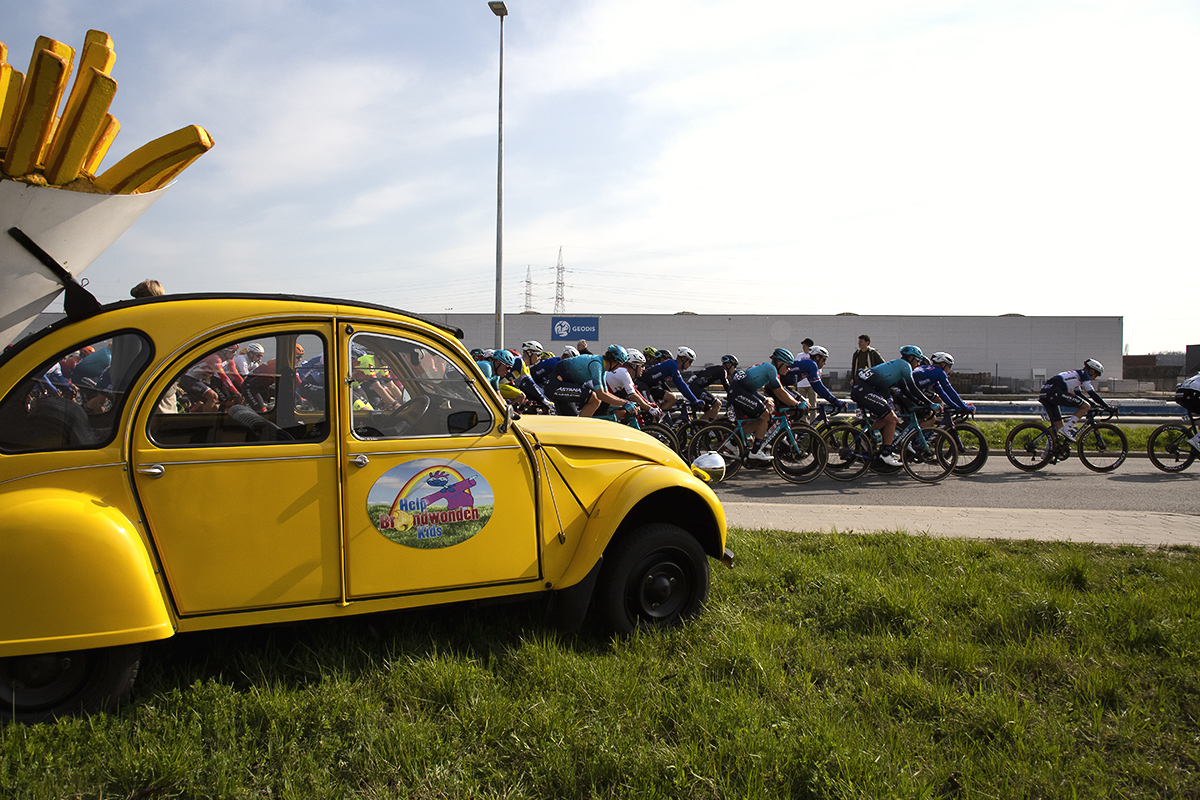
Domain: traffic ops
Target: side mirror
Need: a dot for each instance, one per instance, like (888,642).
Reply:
(709,467)
(461,421)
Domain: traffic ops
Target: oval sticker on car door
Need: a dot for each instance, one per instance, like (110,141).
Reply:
(430,503)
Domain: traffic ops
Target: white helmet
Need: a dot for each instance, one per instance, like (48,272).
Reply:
(686,352)
(532,345)
(256,348)
(816,351)
(569,352)
(1092,363)
(942,358)
(635,357)
(488,353)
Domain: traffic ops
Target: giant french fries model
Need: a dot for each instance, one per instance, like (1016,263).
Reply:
(54,136)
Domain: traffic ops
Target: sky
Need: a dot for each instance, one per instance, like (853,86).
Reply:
(752,157)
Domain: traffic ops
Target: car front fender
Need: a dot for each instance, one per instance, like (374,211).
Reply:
(646,494)
(76,576)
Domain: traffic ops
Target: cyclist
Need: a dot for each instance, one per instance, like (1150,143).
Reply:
(670,369)
(874,385)
(520,378)
(580,380)
(748,404)
(807,369)
(933,376)
(620,381)
(700,380)
(1066,389)
(483,360)
(1187,394)
(248,358)
(543,369)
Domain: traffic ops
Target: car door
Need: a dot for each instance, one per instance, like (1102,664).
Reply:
(240,485)
(436,496)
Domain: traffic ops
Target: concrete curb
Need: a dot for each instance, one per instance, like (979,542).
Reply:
(1099,527)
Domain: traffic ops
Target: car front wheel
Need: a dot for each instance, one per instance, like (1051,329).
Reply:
(44,687)
(655,577)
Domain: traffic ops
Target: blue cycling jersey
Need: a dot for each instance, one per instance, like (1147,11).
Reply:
(542,370)
(933,376)
(807,369)
(666,370)
(486,366)
(763,376)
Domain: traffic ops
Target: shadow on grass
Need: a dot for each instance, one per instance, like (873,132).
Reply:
(299,654)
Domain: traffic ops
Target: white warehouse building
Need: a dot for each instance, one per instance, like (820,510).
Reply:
(1016,349)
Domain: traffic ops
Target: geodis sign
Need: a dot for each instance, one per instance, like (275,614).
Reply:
(575,328)
(430,503)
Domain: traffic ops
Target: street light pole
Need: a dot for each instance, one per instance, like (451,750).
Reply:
(501,11)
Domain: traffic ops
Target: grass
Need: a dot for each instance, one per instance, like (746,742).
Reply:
(1138,435)
(825,666)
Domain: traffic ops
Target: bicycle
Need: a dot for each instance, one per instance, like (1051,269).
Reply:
(926,454)
(797,450)
(655,429)
(971,442)
(1168,446)
(1102,446)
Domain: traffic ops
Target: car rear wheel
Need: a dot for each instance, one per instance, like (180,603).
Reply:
(44,687)
(655,577)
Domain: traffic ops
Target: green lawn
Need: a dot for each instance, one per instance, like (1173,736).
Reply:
(825,666)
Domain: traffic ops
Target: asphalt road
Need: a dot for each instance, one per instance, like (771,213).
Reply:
(1135,504)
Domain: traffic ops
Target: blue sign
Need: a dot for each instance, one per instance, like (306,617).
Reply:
(574,328)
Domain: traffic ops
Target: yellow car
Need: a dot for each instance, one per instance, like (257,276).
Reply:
(186,463)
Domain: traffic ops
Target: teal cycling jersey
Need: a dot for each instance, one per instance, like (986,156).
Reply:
(582,369)
(763,376)
(887,374)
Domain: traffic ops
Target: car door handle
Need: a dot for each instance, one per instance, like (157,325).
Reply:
(153,470)
(360,460)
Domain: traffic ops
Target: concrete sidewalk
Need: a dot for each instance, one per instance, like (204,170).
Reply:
(1101,527)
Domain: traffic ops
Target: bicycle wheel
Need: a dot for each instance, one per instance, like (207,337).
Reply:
(849,451)
(1028,446)
(1103,447)
(684,433)
(720,439)
(1169,449)
(662,433)
(930,464)
(972,448)
(799,458)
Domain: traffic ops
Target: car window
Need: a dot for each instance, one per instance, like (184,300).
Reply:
(73,401)
(264,390)
(403,388)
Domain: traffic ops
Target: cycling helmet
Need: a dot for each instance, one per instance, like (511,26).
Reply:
(635,357)
(255,348)
(618,353)
(299,349)
(686,352)
(478,353)
(729,360)
(504,357)
(534,345)
(649,352)
(569,352)
(547,354)
(816,351)
(942,358)
(489,353)
(911,351)
(661,354)
(1092,363)
(783,354)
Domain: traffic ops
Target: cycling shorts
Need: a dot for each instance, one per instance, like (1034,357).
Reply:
(1054,397)
(868,398)
(657,393)
(747,405)
(1189,399)
(196,389)
(567,395)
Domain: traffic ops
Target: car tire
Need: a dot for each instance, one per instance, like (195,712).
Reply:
(44,687)
(654,578)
